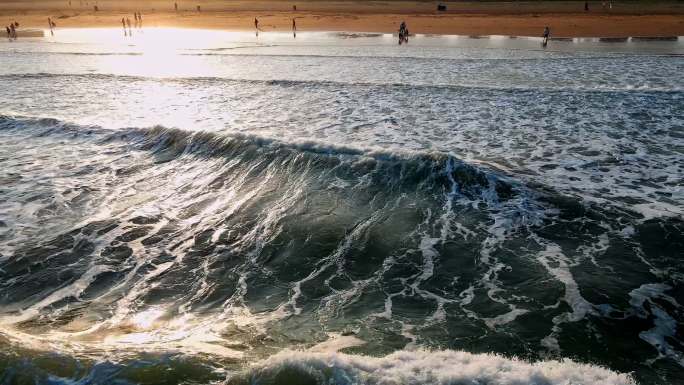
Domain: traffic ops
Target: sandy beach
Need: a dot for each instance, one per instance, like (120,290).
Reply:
(566,19)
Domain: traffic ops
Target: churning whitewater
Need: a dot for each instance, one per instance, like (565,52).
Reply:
(236,220)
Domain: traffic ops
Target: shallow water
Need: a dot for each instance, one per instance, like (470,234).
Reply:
(200,206)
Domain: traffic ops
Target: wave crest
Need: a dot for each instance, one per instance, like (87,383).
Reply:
(422,367)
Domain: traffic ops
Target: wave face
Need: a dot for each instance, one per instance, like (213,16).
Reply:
(610,144)
(168,251)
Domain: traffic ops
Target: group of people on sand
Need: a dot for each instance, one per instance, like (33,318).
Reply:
(12,30)
(126,22)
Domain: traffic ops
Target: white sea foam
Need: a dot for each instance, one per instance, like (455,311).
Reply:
(426,367)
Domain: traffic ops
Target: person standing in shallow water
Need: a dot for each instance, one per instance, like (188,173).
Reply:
(123,23)
(547,32)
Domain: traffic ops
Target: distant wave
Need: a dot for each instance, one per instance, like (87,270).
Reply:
(79,53)
(293,82)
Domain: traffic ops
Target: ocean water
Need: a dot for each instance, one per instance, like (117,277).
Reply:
(195,207)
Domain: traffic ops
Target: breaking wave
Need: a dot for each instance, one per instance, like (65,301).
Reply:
(226,249)
(422,367)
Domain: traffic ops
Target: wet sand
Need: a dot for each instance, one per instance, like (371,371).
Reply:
(567,19)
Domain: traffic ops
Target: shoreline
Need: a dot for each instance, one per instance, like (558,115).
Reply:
(467,19)
(568,26)
(31,32)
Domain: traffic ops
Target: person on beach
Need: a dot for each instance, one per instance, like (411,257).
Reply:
(175,6)
(294,25)
(199,9)
(13,31)
(139,20)
(128,22)
(547,33)
(9,32)
(256,23)
(50,24)
(123,23)
(403,33)
(586,6)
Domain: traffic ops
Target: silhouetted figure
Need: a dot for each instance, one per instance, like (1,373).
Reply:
(13,31)
(50,24)
(294,25)
(175,6)
(547,33)
(96,8)
(403,33)
(9,32)
(256,25)
(294,8)
(586,6)
(128,22)
(199,9)
(123,23)
(139,20)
